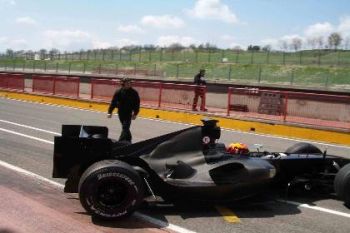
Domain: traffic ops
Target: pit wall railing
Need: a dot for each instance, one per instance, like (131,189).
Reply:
(152,94)
(12,82)
(322,110)
(331,111)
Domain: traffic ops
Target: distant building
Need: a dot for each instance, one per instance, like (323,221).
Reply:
(37,57)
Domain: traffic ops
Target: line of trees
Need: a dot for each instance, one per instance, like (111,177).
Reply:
(333,41)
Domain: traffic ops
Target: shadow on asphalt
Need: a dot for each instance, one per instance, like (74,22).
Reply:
(257,207)
(124,223)
(261,206)
(265,206)
(5,230)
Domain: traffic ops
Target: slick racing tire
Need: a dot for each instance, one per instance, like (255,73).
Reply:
(303,148)
(110,189)
(342,184)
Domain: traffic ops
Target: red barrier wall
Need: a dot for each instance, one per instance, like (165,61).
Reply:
(12,81)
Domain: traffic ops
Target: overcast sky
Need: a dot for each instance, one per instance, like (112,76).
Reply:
(87,24)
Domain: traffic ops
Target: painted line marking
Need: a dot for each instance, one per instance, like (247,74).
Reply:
(187,124)
(228,215)
(31,174)
(321,209)
(29,127)
(26,136)
(162,224)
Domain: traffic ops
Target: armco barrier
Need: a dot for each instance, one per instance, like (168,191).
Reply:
(295,107)
(12,81)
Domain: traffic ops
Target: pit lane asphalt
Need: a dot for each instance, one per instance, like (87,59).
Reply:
(266,216)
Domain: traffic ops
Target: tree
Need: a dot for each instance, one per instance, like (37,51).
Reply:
(42,53)
(253,48)
(237,48)
(296,43)
(347,43)
(266,48)
(283,45)
(210,46)
(9,52)
(319,42)
(149,47)
(193,46)
(312,42)
(53,52)
(334,40)
(176,46)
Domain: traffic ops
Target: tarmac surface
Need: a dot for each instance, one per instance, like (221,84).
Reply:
(29,204)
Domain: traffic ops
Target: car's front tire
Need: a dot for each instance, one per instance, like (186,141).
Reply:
(110,189)
(342,184)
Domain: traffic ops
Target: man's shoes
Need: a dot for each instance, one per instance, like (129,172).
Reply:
(194,109)
(204,109)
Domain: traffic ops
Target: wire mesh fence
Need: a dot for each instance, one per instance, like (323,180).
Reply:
(299,76)
(303,57)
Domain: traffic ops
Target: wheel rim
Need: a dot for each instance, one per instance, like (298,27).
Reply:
(111,194)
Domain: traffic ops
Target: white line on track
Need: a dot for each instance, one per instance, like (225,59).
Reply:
(316,208)
(31,174)
(25,135)
(179,123)
(145,217)
(29,127)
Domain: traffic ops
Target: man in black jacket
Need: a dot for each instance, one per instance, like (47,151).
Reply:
(199,90)
(127,100)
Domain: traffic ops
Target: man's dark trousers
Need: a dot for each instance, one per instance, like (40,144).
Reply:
(125,121)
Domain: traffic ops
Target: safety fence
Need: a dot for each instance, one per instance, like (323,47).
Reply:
(12,81)
(152,94)
(320,77)
(286,106)
(58,85)
(303,57)
(330,111)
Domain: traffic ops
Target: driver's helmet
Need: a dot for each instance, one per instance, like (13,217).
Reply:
(237,148)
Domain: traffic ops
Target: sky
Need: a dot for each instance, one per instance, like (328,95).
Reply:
(72,25)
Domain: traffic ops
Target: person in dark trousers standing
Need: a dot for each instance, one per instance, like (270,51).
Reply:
(127,100)
(199,90)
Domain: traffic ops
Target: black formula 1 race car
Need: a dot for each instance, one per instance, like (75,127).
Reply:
(113,178)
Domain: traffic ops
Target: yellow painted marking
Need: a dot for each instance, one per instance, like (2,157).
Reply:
(228,215)
(193,118)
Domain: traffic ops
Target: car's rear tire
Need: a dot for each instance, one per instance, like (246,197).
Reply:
(303,148)
(342,184)
(110,189)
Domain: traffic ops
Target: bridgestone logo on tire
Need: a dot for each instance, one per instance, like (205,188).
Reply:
(122,176)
